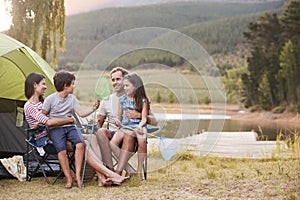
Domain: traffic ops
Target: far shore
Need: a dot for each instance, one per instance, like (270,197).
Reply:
(286,120)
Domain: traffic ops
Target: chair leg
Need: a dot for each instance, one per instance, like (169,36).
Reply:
(145,168)
(39,166)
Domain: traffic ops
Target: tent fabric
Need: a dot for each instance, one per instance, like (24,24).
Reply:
(17,61)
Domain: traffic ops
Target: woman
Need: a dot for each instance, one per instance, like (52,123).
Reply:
(35,87)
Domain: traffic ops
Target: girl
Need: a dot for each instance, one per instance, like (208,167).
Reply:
(135,98)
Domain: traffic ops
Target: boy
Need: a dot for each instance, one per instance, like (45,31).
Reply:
(59,105)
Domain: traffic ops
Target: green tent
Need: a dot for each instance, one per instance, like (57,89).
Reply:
(16,62)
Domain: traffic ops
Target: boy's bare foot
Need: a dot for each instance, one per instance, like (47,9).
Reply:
(68,186)
(69,183)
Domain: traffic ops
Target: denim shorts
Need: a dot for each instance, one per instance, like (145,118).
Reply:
(42,141)
(60,136)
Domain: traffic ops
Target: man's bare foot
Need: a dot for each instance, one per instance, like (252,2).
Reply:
(117,180)
(128,174)
(104,182)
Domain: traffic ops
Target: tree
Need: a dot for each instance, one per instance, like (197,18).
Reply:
(265,37)
(39,25)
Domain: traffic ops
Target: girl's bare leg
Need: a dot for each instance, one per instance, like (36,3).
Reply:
(126,151)
(142,153)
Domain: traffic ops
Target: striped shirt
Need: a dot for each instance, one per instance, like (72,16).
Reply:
(33,114)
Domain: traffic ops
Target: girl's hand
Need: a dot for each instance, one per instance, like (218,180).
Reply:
(140,130)
(117,122)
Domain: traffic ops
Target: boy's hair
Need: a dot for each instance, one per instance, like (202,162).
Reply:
(63,78)
(121,69)
(29,84)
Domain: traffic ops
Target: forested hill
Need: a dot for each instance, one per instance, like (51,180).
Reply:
(85,31)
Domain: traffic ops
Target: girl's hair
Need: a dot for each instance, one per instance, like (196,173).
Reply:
(140,92)
(63,78)
(29,84)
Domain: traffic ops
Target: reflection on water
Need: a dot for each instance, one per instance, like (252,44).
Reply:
(183,125)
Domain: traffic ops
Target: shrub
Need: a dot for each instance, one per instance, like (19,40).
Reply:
(278,109)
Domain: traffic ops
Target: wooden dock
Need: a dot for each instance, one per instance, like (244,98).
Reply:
(228,144)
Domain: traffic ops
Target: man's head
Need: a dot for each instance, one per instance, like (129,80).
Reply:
(117,75)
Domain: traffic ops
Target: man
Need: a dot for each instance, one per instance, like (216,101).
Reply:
(109,110)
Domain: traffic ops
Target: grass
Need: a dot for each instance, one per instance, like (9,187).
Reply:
(189,177)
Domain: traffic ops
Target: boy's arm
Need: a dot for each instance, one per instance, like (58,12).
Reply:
(86,112)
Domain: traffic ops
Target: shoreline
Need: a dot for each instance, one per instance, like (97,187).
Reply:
(261,118)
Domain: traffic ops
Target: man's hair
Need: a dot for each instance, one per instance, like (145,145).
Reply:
(121,69)
(63,78)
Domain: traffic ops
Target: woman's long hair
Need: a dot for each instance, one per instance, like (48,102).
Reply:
(29,85)
(140,92)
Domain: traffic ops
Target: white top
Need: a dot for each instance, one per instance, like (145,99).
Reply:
(109,108)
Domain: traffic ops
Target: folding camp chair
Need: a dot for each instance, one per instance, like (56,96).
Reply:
(46,163)
(144,167)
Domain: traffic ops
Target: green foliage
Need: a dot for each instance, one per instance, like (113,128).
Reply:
(273,67)
(158,97)
(278,109)
(87,30)
(39,25)
(171,97)
(254,108)
(206,100)
(232,79)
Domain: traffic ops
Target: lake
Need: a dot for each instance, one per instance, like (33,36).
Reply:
(183,125)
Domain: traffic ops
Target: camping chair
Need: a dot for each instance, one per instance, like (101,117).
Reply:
(46,161)
(150,130)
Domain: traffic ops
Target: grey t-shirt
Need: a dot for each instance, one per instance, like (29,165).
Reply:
(58,107)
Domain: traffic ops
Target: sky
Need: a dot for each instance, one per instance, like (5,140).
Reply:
(78,6)
(72,7)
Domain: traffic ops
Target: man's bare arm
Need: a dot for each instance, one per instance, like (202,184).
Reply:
(134,114)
